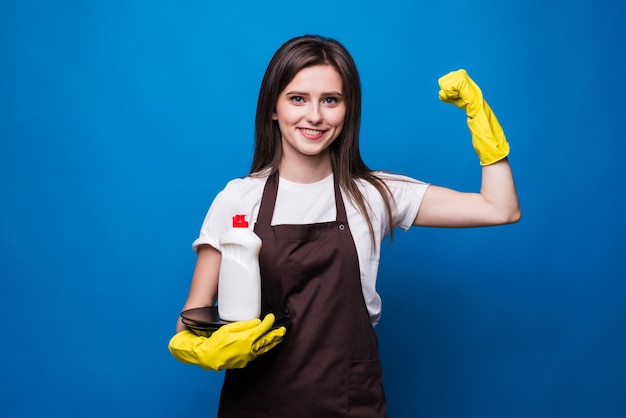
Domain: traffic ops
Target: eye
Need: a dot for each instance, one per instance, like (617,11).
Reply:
(330,100)
(297,99)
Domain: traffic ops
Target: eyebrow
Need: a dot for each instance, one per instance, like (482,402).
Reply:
(302,93)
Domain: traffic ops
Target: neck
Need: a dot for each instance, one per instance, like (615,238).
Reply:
(310,170)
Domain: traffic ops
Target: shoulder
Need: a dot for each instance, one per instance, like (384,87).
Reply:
(394,179)
(397,184)
(251,184)
(404,195)
(241,195)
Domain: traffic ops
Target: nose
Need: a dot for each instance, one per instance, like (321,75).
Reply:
(314,114)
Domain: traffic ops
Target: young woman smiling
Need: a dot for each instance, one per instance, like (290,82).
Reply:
(322,214)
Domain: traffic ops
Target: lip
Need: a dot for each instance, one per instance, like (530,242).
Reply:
(312,134)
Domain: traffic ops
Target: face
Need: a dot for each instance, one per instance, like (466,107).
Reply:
(310,112)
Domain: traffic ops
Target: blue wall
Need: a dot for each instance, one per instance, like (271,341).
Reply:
(120,120)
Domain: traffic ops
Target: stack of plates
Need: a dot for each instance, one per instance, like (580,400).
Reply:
(204,321)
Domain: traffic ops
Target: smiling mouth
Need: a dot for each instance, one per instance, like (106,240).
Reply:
(311,133)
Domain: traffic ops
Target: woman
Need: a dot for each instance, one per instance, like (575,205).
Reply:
(322,215)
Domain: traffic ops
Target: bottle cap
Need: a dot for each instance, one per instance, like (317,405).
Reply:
(239,221)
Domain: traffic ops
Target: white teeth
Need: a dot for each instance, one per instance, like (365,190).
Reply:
(312,132)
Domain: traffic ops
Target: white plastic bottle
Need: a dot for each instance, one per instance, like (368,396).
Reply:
(239,287)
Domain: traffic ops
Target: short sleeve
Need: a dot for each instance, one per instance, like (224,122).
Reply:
(216,221)
(408,194)
(241,196)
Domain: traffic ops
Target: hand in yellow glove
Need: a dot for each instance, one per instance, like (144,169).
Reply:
(232,346)
(487,135)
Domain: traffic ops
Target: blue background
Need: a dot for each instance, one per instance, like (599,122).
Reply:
(120,121)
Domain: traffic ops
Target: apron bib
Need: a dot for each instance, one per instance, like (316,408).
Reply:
(327,364)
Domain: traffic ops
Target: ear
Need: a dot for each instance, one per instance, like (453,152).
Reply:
(274,115)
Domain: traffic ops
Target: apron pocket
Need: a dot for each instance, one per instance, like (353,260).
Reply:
(366,397)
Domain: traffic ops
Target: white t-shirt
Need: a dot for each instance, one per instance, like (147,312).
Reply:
(315,202)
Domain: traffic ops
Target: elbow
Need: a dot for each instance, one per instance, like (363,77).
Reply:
(511,215)
(505,214)
(516,216)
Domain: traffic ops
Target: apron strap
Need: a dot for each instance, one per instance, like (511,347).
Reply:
(266,210)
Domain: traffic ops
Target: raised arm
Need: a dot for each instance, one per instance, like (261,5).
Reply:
(496,203)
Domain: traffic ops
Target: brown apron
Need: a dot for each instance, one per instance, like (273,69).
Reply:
(327,364)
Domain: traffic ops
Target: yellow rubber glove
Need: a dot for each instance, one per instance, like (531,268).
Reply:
(232,346)
(487,135)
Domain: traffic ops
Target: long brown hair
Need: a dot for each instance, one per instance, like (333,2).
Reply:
(291,57)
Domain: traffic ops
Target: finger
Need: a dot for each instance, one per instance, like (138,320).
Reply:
(265,326)
(268,347)
(253,328)
(448,96)
(269,340)
(241,325)
(457,101)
